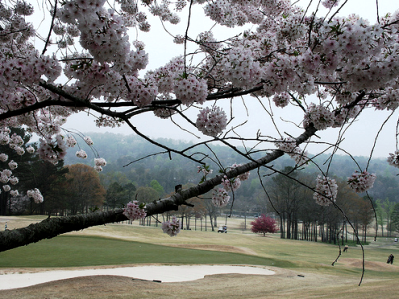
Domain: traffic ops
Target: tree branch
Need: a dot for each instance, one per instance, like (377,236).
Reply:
(52,227)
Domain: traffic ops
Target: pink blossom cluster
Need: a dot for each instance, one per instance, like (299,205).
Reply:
(15,143)
(282,99)
(18,204)
(326,190)
(102,32)
(13,180)
(205,170)
(30,149)
(241,68)
(163,11)
(343,115)
(12,165)
(133,211)
(289,146)
(5,175)
(107,121)
(179,39)
(52,150)
(71,141)
(142,92)
(211,121)
(207,42)
(36,195)
(81,154)
(393,159)
(190,90)
(163,111)
(230,184)
(320,116)
(389,100)
(180,4)
(99,163)
(23,8)
(3,157)
(233,13)
(172,227)
(166,75)
(361,181)
(14,193)
(330,3)
(220,197)
(242,177)
(88,140)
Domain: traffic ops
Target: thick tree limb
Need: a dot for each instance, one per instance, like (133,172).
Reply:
(52,227)
(102,107)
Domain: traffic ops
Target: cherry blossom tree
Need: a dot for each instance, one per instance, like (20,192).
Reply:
(264,225)
(302,60)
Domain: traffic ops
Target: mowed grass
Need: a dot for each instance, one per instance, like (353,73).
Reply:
(119,244)
(79,251)
(303,269)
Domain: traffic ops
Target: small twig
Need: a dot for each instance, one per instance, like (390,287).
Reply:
(51,28)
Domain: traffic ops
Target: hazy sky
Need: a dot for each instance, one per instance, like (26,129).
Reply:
(359,138)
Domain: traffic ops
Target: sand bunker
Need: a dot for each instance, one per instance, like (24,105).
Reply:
(152,273)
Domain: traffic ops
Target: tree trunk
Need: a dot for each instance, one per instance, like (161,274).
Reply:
(210,218)
(288,226)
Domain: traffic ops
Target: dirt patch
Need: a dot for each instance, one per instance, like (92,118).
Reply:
(224,248)
(369,265)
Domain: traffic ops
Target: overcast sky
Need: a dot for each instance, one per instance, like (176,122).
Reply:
(359,138)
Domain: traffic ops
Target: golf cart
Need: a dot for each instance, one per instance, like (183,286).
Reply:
(222,229)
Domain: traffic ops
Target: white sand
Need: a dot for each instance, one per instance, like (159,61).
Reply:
(159,273)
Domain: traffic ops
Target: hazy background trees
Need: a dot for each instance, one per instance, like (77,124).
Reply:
(77,188)
(84,189)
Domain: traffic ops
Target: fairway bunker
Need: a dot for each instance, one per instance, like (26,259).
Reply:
(151,273)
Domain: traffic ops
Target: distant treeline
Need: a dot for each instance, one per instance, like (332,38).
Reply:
(120,150)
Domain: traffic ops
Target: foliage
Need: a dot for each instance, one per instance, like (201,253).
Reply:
(84,189)
(395,217)
(51,180)
(264,225)
(115,195)
(146,194)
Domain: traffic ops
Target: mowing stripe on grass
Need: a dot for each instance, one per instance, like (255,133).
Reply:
(78,251)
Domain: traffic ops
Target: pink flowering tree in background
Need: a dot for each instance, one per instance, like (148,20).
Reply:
(326,68)
(264,225)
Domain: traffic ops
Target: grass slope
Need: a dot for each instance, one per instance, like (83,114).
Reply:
(79,251)
(303,269)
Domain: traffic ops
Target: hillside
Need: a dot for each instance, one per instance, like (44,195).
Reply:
(120,150)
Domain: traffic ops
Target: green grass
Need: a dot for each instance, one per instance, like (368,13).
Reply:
(77,251)
(121,244)
(354,243)
(118,244)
